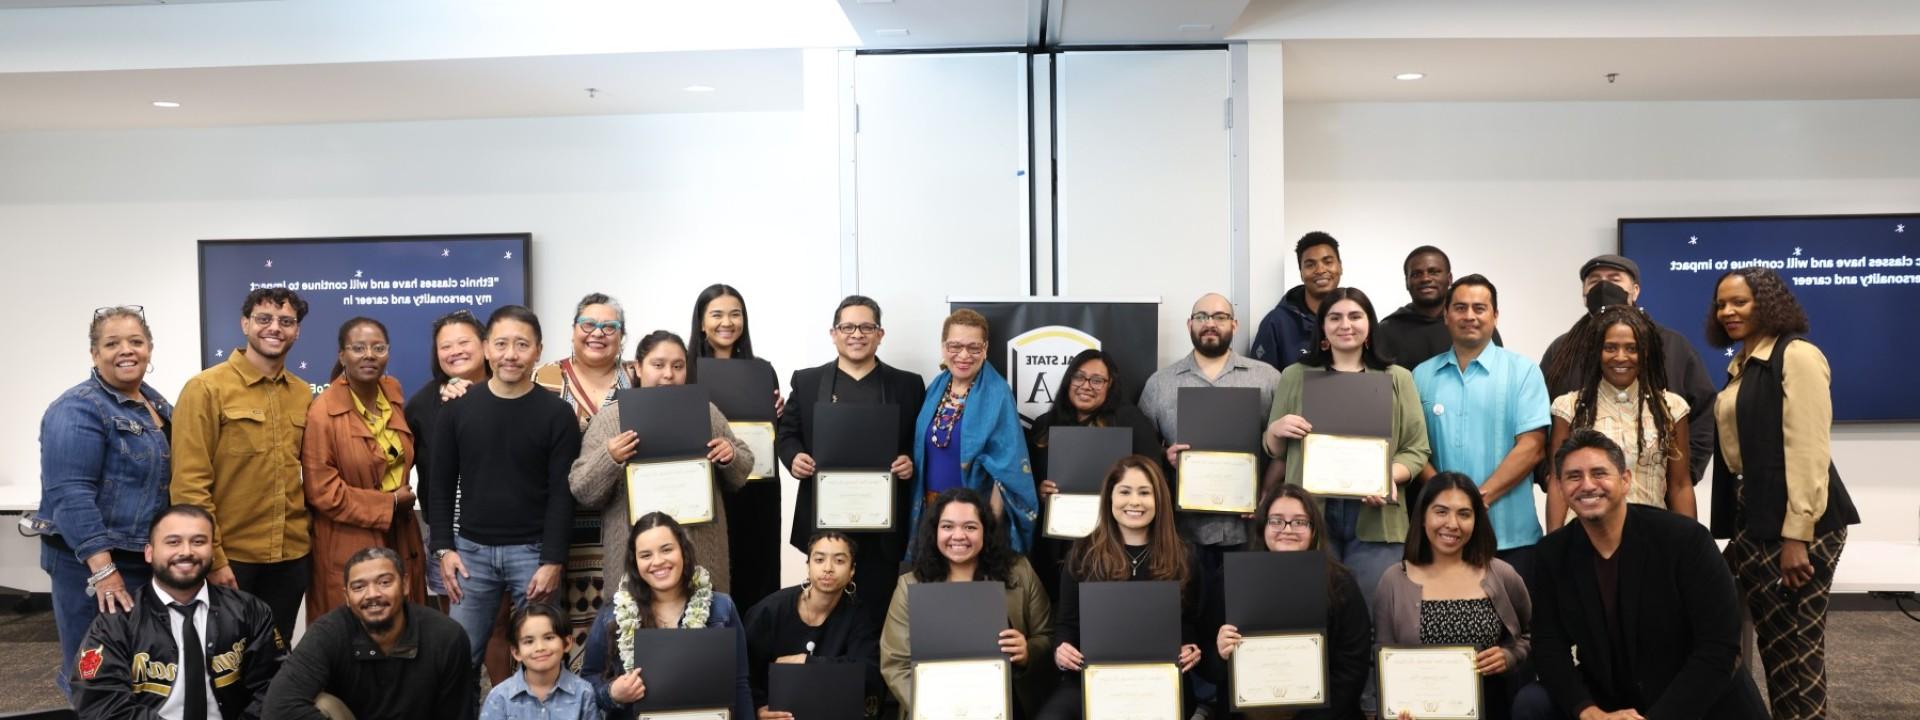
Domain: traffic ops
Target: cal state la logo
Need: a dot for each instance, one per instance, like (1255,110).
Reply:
(1037,364)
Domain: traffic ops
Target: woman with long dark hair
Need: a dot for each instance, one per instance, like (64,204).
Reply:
(661,585)
(720,330)
(817,621)
(356,454)
(1135,540)
(1776,492)
(1290,521)
(1452,590)
(1088,395)
(961,541)
(1623,395)
(1365,533)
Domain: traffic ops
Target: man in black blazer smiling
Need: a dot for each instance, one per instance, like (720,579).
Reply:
(855,376)
(1635,616)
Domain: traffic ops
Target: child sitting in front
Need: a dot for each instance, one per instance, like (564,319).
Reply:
(542,688)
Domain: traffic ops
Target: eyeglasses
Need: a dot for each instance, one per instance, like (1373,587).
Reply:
(1219,318)
(966,349)
(860,329)
(377,350)
(140,310)
(1277,522)
(590,326)
(1093,381)
(287,322)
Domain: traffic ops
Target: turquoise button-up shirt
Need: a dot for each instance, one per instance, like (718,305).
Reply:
(1472,420)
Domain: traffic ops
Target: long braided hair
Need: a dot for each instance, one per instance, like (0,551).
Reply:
(1585,349)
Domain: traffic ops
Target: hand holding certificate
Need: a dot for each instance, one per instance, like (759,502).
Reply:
(1070,517)
(853,489)
(669,471)
(959,672)
(744,390)
(1280,670)
(1077,462)
(1346,465)
(758,437)
(1277,602)
(1220,472)
(1347,454)
(1433,682)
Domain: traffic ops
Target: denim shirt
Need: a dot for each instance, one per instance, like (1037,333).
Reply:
(571,699)
(104,467)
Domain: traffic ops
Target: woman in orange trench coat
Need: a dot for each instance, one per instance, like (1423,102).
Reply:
(345,465)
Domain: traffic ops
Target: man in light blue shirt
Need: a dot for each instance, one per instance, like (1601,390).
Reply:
(1487,416)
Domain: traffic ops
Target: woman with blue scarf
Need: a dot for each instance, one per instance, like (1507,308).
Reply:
(969,434)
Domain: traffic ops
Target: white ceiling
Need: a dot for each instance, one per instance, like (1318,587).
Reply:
(743,81)
(1545,19)
(1776,68)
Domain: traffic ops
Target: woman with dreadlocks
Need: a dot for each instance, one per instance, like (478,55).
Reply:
(1623,394)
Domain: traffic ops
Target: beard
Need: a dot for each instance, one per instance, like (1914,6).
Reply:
(382,625)
(1200,344)
(189,581)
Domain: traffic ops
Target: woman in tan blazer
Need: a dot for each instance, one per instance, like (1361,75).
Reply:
(356,453)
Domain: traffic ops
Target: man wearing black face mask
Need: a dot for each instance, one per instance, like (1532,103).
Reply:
(1615,280)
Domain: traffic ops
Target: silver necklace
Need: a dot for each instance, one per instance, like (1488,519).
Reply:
(1135,560)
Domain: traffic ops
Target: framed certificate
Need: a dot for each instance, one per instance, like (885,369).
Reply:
(963,690)
(1134,691)
(1434,682)
(1215,481)
(1280,670)
(715,714)
(853,500)
(680,488)
(758,437)
(1071,516)
(1346,465)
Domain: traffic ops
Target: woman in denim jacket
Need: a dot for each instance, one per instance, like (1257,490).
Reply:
(104,469)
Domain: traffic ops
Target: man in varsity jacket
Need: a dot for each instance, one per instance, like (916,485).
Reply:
(188,649)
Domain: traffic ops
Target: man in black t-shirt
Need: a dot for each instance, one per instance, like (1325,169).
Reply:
(506,450)
(1417,331)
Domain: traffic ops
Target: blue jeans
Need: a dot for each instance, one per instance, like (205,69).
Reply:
(491,570)
(73,609)
(1367,560)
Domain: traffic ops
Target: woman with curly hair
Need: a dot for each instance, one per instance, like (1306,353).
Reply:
(1776,493)
(1623,394)
(663,586)
(960,540)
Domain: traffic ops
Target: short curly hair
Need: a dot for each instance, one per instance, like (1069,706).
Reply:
(1775,311)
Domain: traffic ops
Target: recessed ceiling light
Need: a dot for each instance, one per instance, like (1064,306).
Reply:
(165,104)
(1409,76)
(891,32)
(698,88)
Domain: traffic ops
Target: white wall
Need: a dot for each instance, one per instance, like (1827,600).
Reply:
(647,208)
(1525,192)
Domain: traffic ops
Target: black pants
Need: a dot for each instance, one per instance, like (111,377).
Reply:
(753,541)
(282,586)
(1521,558)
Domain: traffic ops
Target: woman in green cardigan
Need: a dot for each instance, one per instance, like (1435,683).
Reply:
(1366,534)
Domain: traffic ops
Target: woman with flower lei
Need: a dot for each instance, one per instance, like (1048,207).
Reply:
(663,586)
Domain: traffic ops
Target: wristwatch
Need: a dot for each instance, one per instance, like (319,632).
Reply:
(438,555)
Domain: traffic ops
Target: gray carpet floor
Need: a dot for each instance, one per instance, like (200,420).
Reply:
(1870,664)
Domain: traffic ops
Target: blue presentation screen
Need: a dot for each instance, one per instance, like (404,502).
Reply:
(1857,276)
(404,282)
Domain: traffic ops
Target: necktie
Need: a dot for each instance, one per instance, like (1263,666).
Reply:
(193,663)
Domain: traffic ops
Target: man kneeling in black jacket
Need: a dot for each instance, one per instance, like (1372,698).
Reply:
(187,645)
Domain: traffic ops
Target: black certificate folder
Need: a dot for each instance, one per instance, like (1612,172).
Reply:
(956,620)
(672,421)
(818,690)
(1276,591)
(1079,457)
(1221,419)
(1130,622)
(853,436)
(1341,403)
(742,388)
(686,669)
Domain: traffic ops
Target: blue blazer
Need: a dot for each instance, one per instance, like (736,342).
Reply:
(993,451)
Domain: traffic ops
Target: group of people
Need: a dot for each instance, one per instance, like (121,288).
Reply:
(252,494)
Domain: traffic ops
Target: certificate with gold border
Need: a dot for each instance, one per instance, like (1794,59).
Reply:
(1433,682)
(1280,670)
(1071,516)
(758,437)
(853,500)
(963,690)
(1354,466)
(1217,481)
(1131,691)
(680,488)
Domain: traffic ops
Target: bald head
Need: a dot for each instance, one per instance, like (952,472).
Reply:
(1211,325)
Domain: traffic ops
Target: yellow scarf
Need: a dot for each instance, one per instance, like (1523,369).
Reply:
(387,438)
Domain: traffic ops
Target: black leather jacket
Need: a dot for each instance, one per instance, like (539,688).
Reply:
(128,664)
